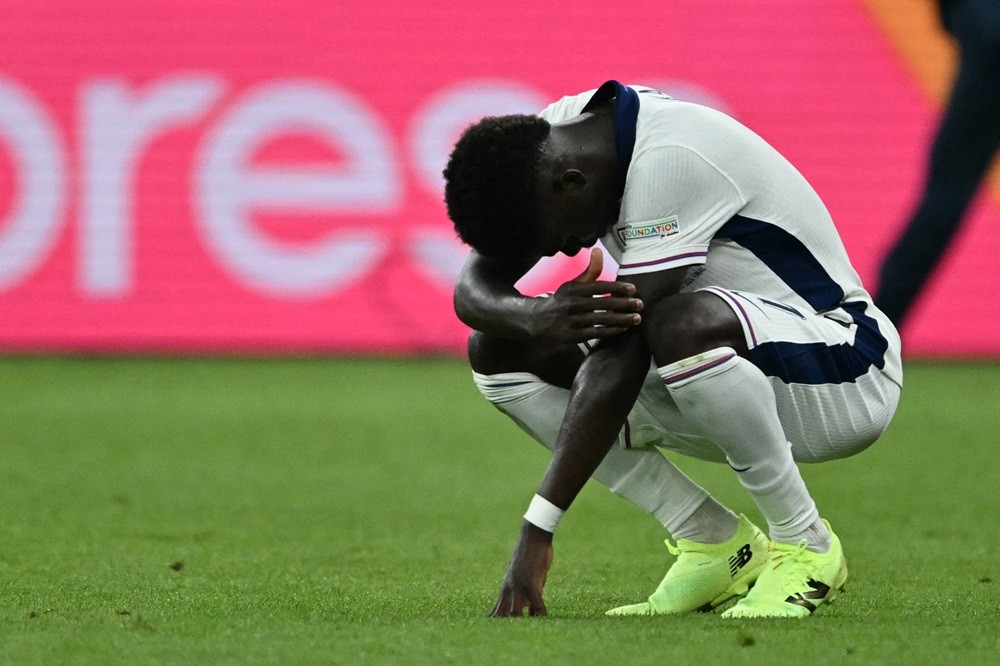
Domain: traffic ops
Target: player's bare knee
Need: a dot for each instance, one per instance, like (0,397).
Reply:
(486,354)
(554,362)
(689,324)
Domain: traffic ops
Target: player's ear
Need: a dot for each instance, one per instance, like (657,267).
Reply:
(572,179)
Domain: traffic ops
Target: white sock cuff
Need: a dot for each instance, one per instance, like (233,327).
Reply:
(791,530)
(702,365)
(508,386)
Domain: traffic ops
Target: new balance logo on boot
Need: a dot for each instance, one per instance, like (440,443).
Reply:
(740,559)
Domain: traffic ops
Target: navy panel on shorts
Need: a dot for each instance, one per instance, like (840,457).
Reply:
(814,362)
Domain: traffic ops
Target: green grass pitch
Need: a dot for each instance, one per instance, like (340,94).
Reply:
(301,511)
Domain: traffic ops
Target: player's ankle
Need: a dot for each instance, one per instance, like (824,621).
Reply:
(711,523)
(816,536)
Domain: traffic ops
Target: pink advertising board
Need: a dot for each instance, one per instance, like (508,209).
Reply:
(264,177)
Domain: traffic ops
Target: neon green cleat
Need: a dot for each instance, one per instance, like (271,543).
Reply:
(706,575)
(795,582)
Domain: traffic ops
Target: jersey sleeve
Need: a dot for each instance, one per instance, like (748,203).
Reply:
(675,201)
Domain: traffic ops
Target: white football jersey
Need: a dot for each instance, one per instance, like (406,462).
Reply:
(702,190)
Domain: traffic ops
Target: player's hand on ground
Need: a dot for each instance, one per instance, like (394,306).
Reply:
(573,314)
(525,579)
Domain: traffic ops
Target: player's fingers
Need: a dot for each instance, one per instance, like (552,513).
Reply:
(502,608)
(594,267)
(601,332)
(537,607)
(611,303)
(616,304)
(510,604)
(601,288)
(539,611)
(587,319)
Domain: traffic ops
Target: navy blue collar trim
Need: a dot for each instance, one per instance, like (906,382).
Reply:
(626,113)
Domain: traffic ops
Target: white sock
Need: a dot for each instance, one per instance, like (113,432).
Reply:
(710,523)
(734,405)
(816,536)
(644,477)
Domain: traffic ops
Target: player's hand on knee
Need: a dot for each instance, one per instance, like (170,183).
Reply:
(525,580)
(573,314)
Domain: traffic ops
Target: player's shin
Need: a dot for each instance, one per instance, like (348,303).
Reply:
(644,477)
(734,405)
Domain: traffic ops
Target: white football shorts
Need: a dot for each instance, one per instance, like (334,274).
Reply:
(833,398)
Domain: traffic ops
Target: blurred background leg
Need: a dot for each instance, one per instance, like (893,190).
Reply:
(962,151)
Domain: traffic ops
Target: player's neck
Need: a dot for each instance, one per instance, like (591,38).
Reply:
(590,142)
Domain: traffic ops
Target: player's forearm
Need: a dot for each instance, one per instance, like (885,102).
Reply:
(486,300)
(495,310)
(605,389)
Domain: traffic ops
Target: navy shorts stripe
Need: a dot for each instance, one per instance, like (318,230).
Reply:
(819,363)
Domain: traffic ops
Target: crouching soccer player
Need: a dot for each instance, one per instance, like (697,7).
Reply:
(736,331)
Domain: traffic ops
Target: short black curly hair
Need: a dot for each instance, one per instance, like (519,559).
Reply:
(490,184)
